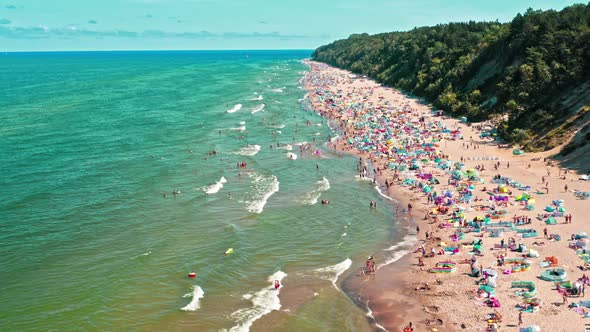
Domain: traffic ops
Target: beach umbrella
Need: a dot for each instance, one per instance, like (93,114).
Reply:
(561,209)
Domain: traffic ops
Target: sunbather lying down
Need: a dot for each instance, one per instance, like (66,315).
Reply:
(539,244)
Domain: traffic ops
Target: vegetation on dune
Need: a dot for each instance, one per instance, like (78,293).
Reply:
(533,72)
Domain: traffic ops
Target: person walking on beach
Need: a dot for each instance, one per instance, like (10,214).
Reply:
(409,207)
(519,318)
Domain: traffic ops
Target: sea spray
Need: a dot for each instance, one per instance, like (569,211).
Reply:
(197,294)
(263,302)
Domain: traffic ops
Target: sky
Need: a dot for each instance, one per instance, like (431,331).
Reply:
(71,25)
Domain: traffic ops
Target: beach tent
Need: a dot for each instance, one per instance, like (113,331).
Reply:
(551,221)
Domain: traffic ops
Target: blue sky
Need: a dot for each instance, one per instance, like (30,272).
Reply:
(41,25)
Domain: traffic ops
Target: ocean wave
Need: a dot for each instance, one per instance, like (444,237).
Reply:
(263,188)
(331,273)
(144,254)
(383,195)
(258,108)
(234,109)
(257,98)
(287,147)
(364,178)
(197,294)
(216,187)
(406,244)
(300,143)
(291,156)
(370,315)
(242,123)
(281,126)
(312,197)
(249,150)
(240,128)
(263,302)
(278,90)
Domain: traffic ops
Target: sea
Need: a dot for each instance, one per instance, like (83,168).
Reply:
(123,172)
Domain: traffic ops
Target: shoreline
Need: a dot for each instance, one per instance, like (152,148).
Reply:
(391,296)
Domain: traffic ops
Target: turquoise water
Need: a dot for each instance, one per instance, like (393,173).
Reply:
(91,142)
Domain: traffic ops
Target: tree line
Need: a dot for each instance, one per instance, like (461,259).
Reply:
(531,73)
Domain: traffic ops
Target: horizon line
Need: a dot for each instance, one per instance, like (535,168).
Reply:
(165,50)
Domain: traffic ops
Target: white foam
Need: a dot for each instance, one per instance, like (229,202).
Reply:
(287,147)
(240,128)
(281,126)
(197,295)
(257,98)
(263,302)
(249,150)
(242,123)
(291,156)
(299,143)
(334,138)
(216,187)
(279,132)
(263,188)
(382,194)
(278,90)
(364,178)
(406,244)
(144,254)
(370,315)
(323,184)
(234,109)
(331,273)
(312,197)
(258,108)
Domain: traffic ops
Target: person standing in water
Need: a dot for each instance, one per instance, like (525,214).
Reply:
(277,285)
(369,266)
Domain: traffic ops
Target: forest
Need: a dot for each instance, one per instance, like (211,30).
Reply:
(531,76)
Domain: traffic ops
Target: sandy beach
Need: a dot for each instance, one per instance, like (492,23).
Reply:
(481,209)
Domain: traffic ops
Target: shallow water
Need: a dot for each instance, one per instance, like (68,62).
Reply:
(91,142)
